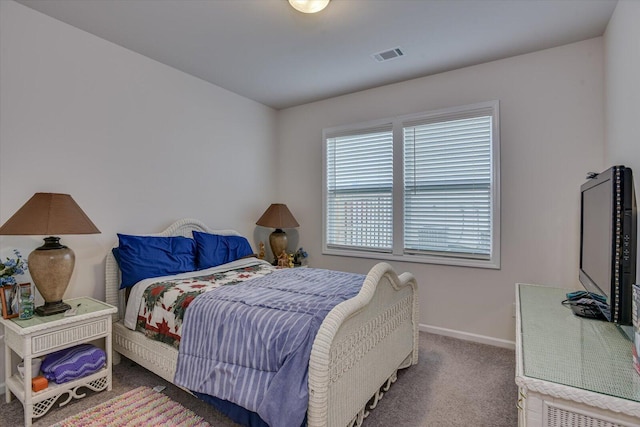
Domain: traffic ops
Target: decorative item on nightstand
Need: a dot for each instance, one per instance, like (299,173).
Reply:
(278,216)
(51,265)
(9,287)
(12,267)
(24,299)
(300,257)
(283,260)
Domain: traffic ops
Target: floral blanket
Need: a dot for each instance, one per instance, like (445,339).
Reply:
(164,303)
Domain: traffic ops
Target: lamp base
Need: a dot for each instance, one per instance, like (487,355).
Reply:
(278,242)
(50,308)
(51,266)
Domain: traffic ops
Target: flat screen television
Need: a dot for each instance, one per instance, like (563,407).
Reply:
(608,240)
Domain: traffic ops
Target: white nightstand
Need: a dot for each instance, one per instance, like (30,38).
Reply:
(41,335)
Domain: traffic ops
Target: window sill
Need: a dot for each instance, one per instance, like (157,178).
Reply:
(422,259)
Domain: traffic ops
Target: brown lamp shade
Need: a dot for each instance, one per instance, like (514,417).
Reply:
(277,216)
(51,265)
(47,214)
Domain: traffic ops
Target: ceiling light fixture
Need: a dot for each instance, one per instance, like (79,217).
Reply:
(308,6)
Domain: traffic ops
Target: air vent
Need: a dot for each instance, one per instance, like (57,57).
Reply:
(388,54)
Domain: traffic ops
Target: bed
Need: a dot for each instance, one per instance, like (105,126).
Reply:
(355,355)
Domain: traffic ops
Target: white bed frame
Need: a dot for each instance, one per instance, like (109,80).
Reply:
(355,357)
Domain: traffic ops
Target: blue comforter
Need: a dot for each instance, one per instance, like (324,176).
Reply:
(250,343)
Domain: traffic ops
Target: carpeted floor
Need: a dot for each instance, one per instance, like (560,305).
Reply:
(456,383)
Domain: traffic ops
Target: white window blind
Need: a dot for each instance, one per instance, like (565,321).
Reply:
(447,187)
(419,188)
(359,190)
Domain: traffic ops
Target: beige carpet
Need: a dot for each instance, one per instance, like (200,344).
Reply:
(456,383)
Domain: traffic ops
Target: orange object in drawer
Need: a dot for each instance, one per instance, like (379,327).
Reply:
(39,383)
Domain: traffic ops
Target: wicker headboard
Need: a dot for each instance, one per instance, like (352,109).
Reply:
(182,227)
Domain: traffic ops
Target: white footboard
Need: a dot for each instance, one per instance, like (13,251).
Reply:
(360,346)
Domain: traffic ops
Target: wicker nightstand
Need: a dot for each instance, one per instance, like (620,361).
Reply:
(40,336)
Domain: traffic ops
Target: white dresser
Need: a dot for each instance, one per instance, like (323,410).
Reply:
(571,372)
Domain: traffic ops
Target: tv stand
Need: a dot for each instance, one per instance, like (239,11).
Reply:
(571,371)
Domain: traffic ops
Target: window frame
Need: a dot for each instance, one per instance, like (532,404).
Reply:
(397,124)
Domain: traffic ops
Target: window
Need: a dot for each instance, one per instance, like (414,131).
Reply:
(421,188)
(360,190)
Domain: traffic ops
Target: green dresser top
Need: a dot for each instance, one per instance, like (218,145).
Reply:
(560,347)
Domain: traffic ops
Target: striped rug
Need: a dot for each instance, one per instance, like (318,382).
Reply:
(141,407)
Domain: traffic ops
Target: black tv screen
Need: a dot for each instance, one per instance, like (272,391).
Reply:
(608,240)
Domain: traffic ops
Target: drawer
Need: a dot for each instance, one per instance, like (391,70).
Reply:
(69,335)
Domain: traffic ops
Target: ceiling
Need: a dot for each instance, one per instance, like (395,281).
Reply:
(267,51)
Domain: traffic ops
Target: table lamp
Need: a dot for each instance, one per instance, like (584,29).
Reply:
(277,216)
(51,265)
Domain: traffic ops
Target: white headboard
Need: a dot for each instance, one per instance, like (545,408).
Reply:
(182,227)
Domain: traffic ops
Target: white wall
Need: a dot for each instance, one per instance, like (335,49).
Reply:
(552,129)
(622,108)
(139,144)
(136,143)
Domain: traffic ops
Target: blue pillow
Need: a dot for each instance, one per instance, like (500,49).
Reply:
(215,249)
(142,257)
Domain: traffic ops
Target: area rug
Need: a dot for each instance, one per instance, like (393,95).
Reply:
(141,407)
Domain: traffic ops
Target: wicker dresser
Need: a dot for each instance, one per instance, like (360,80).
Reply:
(571,371)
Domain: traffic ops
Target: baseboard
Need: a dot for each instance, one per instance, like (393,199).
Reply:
(467,336)
(2,389)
